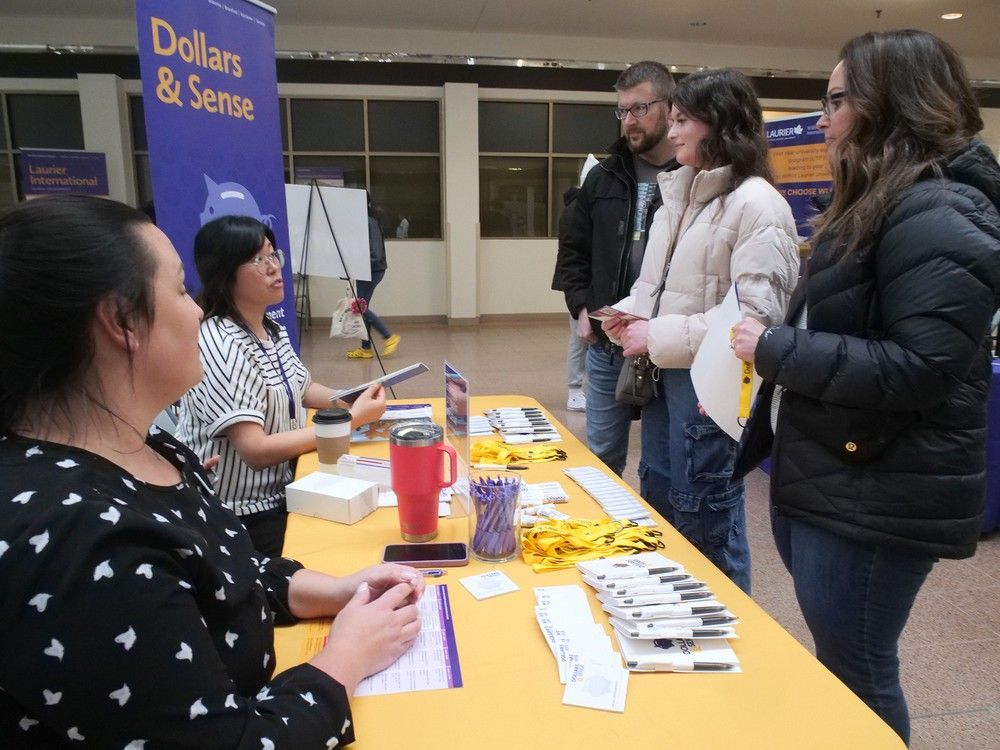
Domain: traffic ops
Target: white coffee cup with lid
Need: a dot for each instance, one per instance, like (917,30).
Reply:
(333,436)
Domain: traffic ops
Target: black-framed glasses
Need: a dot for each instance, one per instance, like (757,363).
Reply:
(637,111)
(831,102)
(274,258)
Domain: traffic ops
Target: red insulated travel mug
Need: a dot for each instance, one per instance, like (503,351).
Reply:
(417,470)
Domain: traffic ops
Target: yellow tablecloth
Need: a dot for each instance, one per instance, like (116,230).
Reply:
(512,697)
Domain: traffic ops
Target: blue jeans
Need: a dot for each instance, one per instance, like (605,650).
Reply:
(684,473)
(576,357)
(608,421)
(855,598)
(366,289)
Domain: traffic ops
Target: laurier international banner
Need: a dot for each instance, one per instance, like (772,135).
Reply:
(46,171)
(210,96)
(801,169)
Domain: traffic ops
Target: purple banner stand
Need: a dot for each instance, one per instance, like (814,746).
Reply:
(210,96)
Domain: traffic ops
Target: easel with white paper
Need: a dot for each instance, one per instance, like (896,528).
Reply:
(717,373)
(316,248)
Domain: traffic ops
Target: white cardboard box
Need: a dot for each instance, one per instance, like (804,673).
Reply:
(370,469)
(332,497)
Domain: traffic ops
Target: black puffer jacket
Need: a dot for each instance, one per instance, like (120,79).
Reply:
(592,266)
(881,431)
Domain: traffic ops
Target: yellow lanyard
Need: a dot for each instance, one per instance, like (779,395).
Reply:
(552,544)
(746,390)
(499,452)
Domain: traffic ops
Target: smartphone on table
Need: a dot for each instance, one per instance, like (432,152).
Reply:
(427,555)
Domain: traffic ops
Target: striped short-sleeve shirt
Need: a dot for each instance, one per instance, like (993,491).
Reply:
(244,381)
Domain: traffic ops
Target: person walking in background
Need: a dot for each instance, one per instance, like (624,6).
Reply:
(876,384)
(366,289)
(601,252)
(721,223)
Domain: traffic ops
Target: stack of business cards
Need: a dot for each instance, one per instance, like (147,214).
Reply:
(535,503)
(521,425)
(615,500)
(477,426)
(540,514)
(540,493)
(588,666)
(653,601)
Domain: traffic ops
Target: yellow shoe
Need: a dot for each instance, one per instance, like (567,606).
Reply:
(390,344)
(360,353)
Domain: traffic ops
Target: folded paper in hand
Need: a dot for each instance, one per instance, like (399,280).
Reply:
(612,313)
(351,394)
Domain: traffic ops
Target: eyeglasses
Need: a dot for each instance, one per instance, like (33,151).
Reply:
(274,258)
(636,110)
(831,102)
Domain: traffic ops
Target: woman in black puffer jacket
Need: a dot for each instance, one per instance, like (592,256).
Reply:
(876,386)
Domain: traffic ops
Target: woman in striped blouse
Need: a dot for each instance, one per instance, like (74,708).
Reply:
(249,408)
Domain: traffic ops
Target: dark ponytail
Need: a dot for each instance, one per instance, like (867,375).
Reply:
(59,257)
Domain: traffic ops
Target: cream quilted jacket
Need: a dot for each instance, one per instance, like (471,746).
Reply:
(747,235)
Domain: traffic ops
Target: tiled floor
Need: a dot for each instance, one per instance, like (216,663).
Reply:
(949,651)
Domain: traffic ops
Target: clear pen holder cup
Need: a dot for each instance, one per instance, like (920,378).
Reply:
(495,532)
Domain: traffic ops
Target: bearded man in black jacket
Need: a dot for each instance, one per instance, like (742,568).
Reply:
(603,238)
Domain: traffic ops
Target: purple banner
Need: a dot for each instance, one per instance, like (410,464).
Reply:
(210,96)
(801,170)
(45,172)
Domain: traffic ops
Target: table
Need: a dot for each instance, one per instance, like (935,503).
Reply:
(512,698)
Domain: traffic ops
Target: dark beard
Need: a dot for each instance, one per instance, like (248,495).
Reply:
(649,141)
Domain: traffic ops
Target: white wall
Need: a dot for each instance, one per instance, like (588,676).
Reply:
(515,276)
(415,283)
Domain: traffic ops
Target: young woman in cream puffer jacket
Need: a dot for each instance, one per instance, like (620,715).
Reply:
(747,235)
(726,224)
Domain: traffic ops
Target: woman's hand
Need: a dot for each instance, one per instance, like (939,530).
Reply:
(315,594)
(633,338)
(746,334)
(369,634)
(381,578)
(369,406)
(614,327)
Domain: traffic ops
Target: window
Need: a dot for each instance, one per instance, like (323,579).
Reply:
(328,125)
(34,121)
(140,151)
(392,148)
(45,121)
(530,154)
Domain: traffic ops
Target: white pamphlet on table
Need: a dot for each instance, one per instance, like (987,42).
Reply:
(431,663)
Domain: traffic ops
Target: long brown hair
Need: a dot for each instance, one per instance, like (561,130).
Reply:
(913,108)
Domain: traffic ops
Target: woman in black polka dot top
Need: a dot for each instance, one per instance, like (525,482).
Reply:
(135,612)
